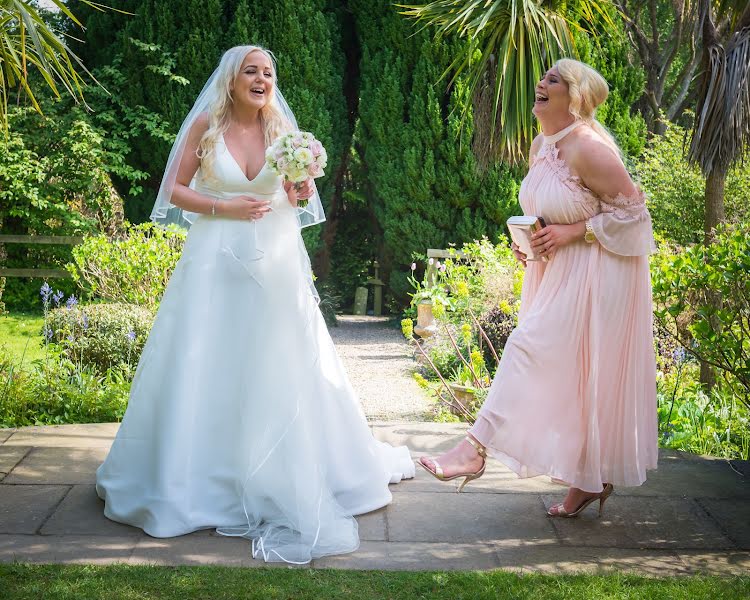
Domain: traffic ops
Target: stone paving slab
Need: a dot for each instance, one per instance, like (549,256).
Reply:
(684,475)
(733,517)
(629,522)
(24,508)
(5,434)
(10,456)
(82,513)
(690,517)
(58,466)
(414,556)
(557,560)
(98,550)
(94,435)
(716,563)
(468,518)
(195,550)
(373,526)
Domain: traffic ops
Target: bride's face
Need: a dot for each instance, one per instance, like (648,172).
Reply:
(552,95)
(253,85)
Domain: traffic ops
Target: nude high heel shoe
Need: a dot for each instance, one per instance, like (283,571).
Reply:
(558,510)
(438,472)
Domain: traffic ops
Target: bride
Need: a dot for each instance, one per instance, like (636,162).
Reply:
(241,416)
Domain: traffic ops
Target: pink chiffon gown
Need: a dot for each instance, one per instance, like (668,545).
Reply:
(574,396)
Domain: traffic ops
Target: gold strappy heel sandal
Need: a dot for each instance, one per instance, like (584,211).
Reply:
(438,472)
(558,510)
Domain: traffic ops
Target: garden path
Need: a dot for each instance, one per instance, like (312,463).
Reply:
(690,517)
(380,365)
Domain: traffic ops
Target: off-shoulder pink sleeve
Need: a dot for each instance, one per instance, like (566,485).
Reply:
(624,225)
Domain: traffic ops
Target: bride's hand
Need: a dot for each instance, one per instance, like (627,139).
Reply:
(294,195)
(520,256)
(550,238)
(244,208)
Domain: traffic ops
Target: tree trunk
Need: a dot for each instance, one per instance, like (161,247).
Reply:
(714,214)
(714,202)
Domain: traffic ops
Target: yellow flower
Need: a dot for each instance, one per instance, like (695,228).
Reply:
(407,327)
(438,310)
(462,289)
(421,381)
(505,307)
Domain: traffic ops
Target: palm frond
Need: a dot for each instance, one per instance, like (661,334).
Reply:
(721,132)
(27,41)
(508,46)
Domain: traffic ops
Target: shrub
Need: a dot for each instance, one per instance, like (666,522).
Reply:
(100,336)
(676,190)
(57,390)
(702,296)
(497,324)
(133,269)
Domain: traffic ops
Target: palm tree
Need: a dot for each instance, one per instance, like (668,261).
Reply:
(721,132)
(509,45)
(28,42)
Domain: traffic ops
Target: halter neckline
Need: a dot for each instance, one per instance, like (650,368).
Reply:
(556,137)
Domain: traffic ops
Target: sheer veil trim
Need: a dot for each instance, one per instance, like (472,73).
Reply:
(165,213)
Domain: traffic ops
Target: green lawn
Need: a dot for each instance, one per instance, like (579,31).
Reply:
(20,335)
(74,582)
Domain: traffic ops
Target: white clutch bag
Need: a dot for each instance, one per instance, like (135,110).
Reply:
(521,229)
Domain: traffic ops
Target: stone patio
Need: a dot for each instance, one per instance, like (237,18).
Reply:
(691,516)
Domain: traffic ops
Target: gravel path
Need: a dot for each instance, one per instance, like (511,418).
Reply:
(380,367)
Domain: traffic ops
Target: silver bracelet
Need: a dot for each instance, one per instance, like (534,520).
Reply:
(213,208)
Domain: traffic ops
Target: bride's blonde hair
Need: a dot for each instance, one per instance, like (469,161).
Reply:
(587,90)
(273,121)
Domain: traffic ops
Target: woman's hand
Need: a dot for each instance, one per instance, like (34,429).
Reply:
(243,207)
(550,238)
(295,195)
(520,256)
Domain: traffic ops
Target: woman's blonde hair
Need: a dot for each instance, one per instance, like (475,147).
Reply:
(587,90)
(273,121)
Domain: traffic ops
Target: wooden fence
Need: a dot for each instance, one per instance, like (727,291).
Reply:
(31,240)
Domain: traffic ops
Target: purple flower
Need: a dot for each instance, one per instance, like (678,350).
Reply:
(71,338)
(679,355)
(413,266)
(443,267)
(85,321)
(45,292)
(71,302)
(131,336)
(57,296)
(48,333)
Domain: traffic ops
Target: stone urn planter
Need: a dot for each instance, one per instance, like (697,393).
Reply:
(425,326)
(465,395)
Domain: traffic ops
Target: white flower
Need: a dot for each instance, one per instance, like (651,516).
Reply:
(303,156)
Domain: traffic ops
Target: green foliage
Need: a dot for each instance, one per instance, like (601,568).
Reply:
(702,295)
(611,54)
(133,269)
(676,191)
(2,289)
(53,181)
(423,182)
(57,390)
(101,336)
(691,420)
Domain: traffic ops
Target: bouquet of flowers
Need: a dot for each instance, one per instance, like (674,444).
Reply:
(297,156)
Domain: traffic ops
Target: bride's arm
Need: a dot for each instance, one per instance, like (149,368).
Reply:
(242,207)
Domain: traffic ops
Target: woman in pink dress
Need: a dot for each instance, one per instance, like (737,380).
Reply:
(574,396)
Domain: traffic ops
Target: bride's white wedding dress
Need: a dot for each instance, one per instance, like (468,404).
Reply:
(241,416)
